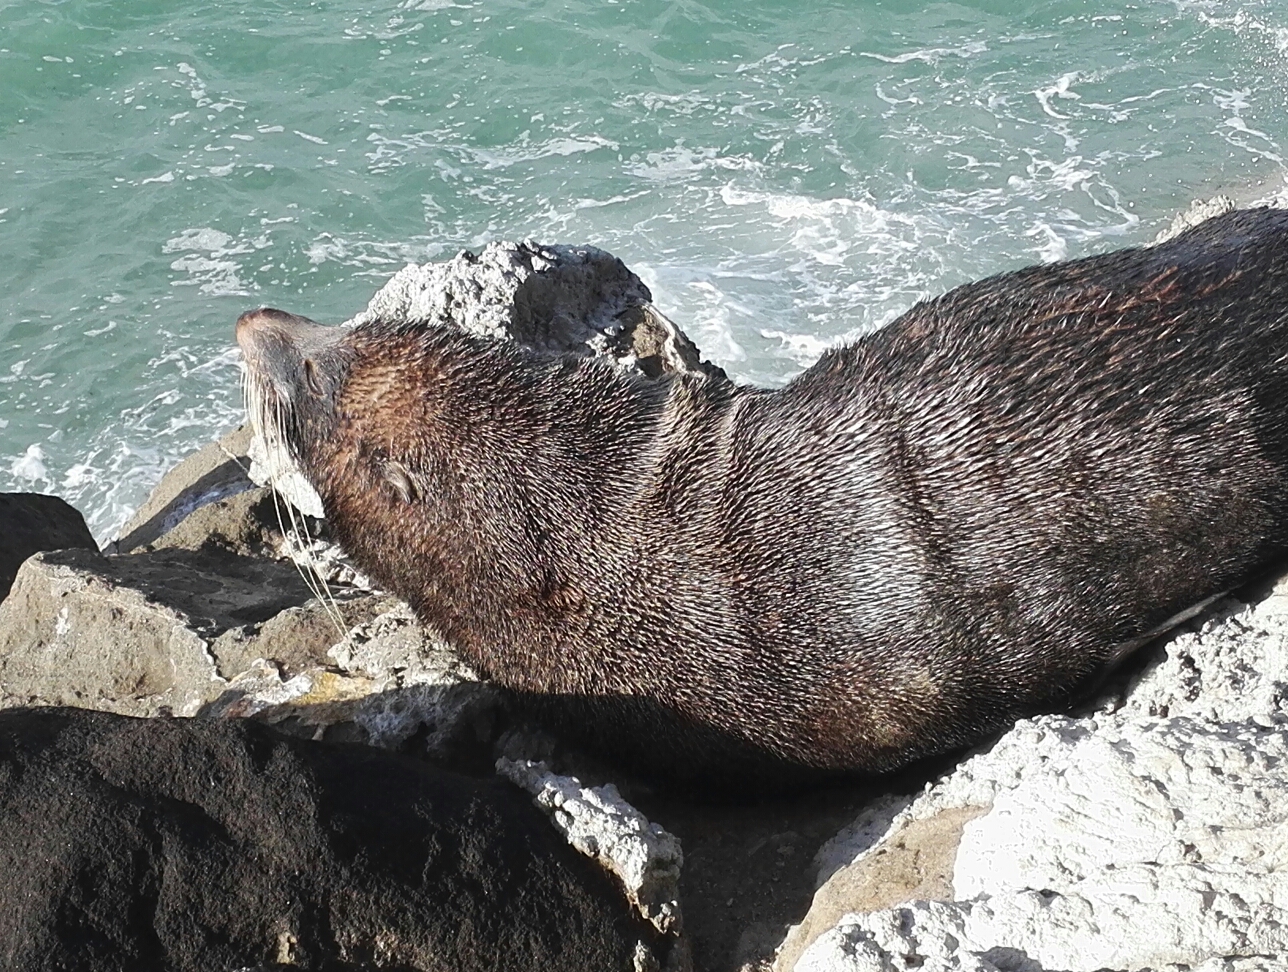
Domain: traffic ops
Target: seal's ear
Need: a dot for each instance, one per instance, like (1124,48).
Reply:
(311,377)
(399,478)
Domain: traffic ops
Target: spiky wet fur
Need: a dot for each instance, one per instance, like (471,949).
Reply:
(958,520)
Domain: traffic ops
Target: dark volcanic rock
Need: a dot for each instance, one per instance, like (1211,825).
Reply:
(31,522)
(188,845)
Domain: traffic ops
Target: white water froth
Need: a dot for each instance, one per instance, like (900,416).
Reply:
(376,257)
(524,151)
(930,55)
(30,466)
(109,480)
(206,262)
(681,163)
(1243,23)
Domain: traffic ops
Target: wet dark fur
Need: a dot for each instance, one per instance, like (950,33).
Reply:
(958,520)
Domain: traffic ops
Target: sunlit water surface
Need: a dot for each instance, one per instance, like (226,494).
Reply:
(782,175)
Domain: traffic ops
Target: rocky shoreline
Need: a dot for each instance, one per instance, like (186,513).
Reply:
(1149,830)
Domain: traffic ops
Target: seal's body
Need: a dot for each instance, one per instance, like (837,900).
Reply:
(958,520)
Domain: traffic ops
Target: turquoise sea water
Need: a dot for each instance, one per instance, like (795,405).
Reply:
(781,174)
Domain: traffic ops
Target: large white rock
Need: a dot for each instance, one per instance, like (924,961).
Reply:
(1151,834)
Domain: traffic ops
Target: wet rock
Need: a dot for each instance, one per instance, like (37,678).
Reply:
(32,522)
(191,846)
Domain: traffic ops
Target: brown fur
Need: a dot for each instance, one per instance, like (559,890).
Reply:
(958,520)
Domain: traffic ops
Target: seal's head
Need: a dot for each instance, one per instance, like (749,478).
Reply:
(417,439)
(294,368)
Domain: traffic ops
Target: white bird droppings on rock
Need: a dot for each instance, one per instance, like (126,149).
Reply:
(1153,836)
(603,826)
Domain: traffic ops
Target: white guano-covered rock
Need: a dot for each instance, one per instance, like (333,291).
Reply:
(600,824)
(1151,834)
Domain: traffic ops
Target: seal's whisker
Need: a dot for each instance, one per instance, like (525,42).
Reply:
(271,429)
(321,589)
(311,576)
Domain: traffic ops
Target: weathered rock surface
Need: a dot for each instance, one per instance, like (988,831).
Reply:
(195,846)
(1199,211)
(603,826)
(208,632)
(389,683)
(212,473)
(1149,834)
(555,299)
(32,522)
(143,634)
(246,523)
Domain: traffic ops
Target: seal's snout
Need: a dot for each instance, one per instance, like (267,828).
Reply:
(284,352)
(256,324)
(279,341)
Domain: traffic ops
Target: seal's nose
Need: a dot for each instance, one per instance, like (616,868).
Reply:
(256,326)
(255,322)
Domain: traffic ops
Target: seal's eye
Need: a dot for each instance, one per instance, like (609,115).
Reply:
(400,479)
(311,376)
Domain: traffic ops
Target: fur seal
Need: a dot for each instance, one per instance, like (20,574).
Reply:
(956,521)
